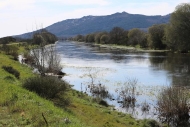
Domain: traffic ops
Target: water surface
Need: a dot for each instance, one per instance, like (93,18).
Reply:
(113,68)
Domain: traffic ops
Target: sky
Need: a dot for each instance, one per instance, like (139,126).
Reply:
(21,16)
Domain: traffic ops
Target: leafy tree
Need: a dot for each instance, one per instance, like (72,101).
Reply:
(177,31)
(79,38)
(10,49)
(104,38)
(43,37)
(117,35)
(90,38)
(136,36)
(98,36)
(6,40)
(144,43)
(156,36)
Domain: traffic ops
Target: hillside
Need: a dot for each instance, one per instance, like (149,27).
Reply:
(90,24)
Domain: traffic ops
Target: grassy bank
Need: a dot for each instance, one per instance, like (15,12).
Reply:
(20,107)
(127,48)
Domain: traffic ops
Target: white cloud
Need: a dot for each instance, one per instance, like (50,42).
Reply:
(16,4)
(152,8)
(20,16)
(82,2)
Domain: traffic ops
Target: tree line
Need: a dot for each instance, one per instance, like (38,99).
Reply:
(172,36)
(38,37)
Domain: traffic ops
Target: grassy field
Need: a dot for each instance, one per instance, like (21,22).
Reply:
(20,107)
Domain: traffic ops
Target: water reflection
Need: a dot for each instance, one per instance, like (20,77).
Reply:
(177,66)
(113,68)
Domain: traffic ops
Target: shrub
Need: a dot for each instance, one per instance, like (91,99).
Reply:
(47,87)
(14,55)
(9,78)
(173,107)
(12,71)
(99,91)
(104,103)
(150,123)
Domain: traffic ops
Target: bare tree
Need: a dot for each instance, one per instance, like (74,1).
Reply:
(173,106)
(44,56)
(46,59)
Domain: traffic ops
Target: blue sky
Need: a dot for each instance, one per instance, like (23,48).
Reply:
(21,16)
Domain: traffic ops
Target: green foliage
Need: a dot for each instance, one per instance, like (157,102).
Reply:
(10,79)
(79,38)
(104,103)
(156,36)
(117,35)
(90,38)
(150,123)
(43,37)
(10,49)
(177,31)
(99,35)
(12,71)
(136,36)
(6,40)
(45,86)
(22,108)
(104,39)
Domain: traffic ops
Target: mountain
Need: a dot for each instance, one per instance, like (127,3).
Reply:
(90,24)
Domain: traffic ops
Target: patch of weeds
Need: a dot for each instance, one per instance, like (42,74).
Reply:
(121,114)
(10,100)
(131,123)
(9,78)
(103,103)
(11,70)
(150,123)
(117,121)
(107,124)
(107,111)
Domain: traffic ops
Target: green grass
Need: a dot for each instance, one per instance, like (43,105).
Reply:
(97,115)
(20,107)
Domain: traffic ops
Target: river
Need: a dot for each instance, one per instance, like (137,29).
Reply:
(152,71)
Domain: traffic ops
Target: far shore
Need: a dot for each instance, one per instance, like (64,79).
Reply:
(127,48)
(124,48)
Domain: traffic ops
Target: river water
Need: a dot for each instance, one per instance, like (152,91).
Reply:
(152,71)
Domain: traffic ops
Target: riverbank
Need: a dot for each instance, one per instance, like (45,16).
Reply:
(124,48)
(127,48)
(19,107)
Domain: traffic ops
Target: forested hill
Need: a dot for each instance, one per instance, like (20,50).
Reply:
(90,24)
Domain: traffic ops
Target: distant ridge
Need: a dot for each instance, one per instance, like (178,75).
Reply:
(90,24)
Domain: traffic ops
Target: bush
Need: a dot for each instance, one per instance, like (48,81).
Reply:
(104,103)
(12,71)
(9,78)
(47,87)
(14,55)
(173,107)
(150,123)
